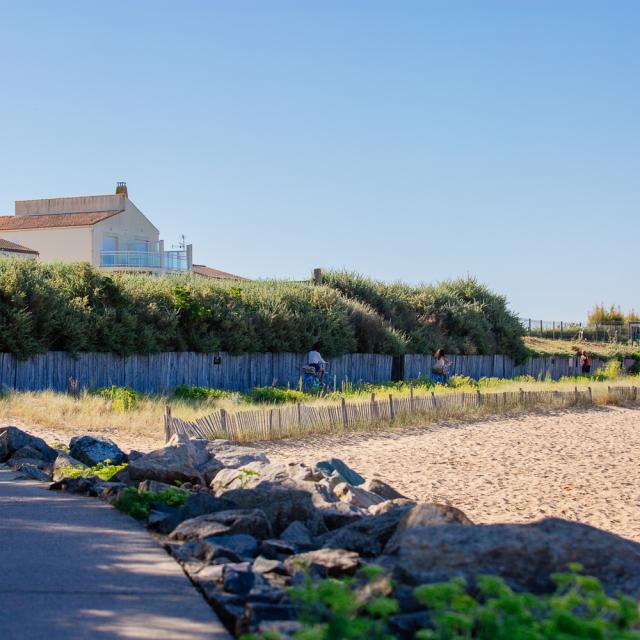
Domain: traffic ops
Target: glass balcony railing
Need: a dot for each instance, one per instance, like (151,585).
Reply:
(169,260)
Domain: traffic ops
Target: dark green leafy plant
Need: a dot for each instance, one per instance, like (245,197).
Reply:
(191,392)
(275,395)
(361,608)
(138,504)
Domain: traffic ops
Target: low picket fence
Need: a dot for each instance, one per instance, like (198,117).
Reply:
(274,423)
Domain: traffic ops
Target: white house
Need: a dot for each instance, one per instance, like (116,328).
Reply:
(107,231)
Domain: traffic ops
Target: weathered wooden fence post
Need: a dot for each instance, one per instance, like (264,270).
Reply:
(317,276)
(590,396)
(167,423)
(575,391)
(433,399)
(270,423)
(345,414)
(392,411)
(299,415)
(374,407)
(522,396)
(479,394)
(411,401)
(223,422)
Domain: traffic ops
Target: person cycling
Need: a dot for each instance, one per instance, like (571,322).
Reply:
(315,360)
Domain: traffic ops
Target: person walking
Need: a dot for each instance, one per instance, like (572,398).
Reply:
(585,362)
(440,371)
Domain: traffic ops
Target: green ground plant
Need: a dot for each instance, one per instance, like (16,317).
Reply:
(199,394)
(275,395)
(138,504)
(123,399)
(103,470)
(360,609)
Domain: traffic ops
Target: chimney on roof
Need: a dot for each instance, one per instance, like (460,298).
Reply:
(121,189)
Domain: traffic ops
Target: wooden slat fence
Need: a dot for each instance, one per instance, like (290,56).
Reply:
(299,419)
(478,367)
(161,372)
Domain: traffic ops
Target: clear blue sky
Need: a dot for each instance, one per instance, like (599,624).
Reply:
(405,140)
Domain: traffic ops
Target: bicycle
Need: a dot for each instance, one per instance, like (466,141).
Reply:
(314,381)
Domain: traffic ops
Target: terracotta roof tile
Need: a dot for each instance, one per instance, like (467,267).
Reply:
(7,245)
(52,220)
(214,274)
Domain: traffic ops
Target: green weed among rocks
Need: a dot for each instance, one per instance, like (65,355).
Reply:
(138,504)
(362,608)
(103,470)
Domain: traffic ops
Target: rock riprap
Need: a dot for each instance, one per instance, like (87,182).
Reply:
(246,529)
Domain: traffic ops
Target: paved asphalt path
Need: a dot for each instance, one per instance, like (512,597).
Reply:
(73,567)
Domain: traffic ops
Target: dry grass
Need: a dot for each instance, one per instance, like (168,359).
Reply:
(603,350)
(58,416)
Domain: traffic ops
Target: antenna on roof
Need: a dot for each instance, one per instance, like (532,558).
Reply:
(121,189)
(181,244)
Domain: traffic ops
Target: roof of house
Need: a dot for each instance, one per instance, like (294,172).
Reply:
(7,245)
(47,221)
(214,274)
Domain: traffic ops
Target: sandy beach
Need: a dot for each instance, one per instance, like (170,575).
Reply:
(580,465)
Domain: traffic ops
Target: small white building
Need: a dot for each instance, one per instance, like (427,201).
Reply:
(107,231)
(10,249)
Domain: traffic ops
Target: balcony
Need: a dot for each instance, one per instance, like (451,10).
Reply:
(146,260)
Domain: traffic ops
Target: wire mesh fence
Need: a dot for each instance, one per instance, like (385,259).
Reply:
(623,332)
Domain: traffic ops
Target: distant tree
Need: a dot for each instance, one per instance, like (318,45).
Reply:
(601,315)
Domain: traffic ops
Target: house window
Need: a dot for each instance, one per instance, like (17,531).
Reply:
(109,243)
(139,246)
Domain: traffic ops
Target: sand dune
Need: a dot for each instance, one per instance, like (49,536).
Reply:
(578,465)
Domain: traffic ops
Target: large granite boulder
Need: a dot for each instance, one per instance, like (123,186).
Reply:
(248,476)
(91,450)
(253,522)
(233,456)
(356,496)
(336,467)
(13,439)
(382,489)
(282,503)
(367,536)
(180,460)
(524,555)
(333,563)
(426,515)
(197,504)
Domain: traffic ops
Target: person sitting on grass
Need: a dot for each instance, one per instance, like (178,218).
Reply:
(439,370)
(315,360)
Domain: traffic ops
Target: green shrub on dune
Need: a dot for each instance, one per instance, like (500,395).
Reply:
(74,307)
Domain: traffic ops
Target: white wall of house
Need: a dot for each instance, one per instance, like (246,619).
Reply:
(126,228)
(58,244)
(4,253)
